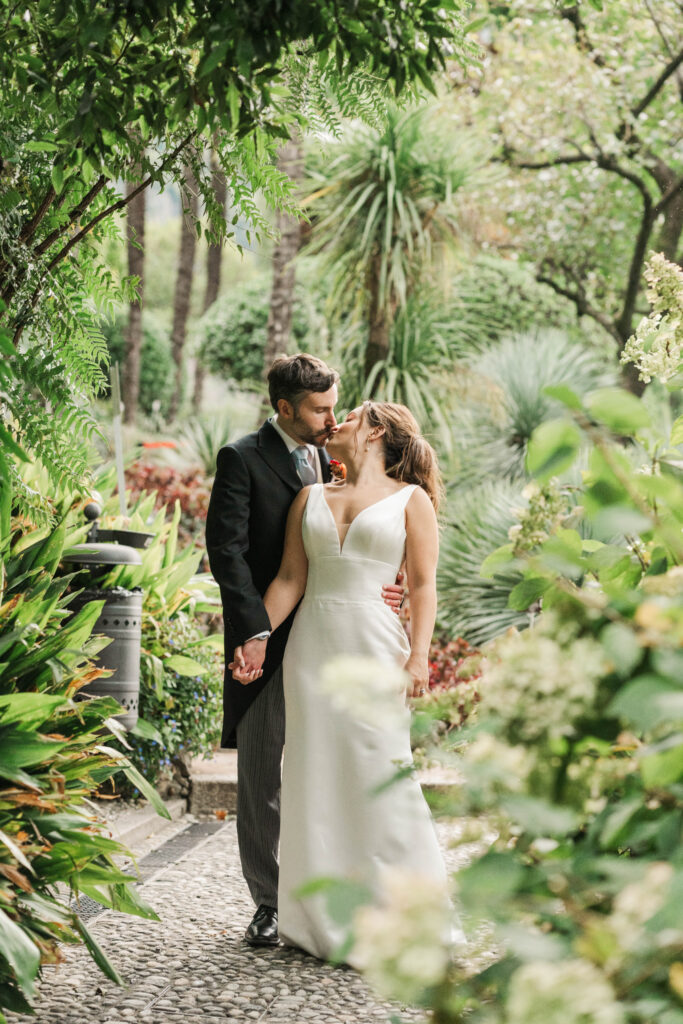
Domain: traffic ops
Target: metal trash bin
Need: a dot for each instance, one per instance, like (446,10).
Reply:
(120,619)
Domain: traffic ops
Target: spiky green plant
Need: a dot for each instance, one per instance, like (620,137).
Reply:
(386,202)
(503,398)
(469,606)
(203,436)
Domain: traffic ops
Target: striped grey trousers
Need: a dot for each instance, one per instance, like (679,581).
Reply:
(260,740)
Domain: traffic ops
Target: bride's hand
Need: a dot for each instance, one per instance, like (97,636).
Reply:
(248,661)
(418,670)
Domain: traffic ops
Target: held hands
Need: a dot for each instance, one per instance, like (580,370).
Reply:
(393,594)
(247,663)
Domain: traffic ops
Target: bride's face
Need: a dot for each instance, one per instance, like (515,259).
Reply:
(348,437)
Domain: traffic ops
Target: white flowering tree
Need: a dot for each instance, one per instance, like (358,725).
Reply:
(583,102)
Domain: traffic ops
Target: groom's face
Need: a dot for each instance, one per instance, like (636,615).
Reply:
(312,420)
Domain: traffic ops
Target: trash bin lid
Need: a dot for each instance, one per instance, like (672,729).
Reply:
(102,554)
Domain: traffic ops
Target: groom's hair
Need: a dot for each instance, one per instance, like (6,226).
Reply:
(292,377)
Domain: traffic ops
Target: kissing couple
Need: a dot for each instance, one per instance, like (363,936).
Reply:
(309,569)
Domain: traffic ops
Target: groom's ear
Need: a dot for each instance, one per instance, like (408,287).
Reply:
(285,409)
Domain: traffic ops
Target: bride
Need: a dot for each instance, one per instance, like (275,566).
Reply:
(343,541)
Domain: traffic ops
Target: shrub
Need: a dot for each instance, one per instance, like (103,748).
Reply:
(55,750)
(156,363)
(232,335)
(181,668)
(189,488)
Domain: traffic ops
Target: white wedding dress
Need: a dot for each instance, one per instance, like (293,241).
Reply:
(332,824)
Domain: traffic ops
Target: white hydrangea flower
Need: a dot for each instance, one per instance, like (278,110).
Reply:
(542,680)
(369,689)
(563,992)
(638,902)
(511,765)
(404,945)
(656,348)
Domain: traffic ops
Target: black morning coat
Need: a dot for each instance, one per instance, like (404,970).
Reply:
(256,482)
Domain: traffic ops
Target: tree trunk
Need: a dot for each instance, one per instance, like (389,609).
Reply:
(379,325)
(291,162)
(213,271)
(183,289)
(135,233)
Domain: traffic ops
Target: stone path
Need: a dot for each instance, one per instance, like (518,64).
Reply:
(193,967)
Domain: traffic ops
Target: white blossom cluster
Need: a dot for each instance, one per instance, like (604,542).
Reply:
(367,689)
(561,992)
(656,348)
(540,681)
(506,768)
(637,903)
(404,945)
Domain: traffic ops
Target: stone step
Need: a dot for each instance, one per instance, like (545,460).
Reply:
(213,783)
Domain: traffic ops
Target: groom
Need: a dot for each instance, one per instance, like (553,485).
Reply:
(257,479)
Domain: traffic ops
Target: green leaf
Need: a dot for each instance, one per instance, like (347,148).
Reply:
(552,448)
(618,409)
(527,592)
(57,175)
(146,731)
(30,709)
(20,749)
(677,431)
(621,646)
(20,953)
(96,953)
(539,817)
(15,850)
(499,558)
(647,701)
(665,765)
(131,773)
(184,666)
(37,146)
(564,394)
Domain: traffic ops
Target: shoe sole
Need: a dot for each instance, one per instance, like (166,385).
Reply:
(269,943)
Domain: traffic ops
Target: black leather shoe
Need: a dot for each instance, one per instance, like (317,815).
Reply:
(263,928)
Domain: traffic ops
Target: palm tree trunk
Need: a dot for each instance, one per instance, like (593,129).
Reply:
(291,162)
(183,289)
(379,324)
(213,271)
(135,233)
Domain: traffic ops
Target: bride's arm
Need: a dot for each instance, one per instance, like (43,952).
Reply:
(287,589)
(283,594)
(422,553)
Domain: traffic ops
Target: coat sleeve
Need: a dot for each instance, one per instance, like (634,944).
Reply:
(227,543)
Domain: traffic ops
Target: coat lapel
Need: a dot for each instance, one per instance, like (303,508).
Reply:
(273,450)
(324,465)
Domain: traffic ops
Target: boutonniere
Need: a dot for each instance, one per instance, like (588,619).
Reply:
(337,469)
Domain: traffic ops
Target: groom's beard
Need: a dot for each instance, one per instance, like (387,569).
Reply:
(308,436)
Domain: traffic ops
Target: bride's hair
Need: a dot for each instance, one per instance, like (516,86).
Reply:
(407,455)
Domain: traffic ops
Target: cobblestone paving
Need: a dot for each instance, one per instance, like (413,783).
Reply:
(194,968)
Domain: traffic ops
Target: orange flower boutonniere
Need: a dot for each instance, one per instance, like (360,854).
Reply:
(337,469)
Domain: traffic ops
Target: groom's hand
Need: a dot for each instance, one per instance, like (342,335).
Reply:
(394,593)
(247,663)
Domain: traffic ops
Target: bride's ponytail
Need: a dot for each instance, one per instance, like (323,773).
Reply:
(407,455)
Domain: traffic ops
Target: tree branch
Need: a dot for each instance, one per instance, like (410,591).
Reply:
(74,215)
(668,71)
(673,189)
(573,16)
(119,205)
(583,307)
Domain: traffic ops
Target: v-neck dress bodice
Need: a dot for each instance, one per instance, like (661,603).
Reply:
(334,822)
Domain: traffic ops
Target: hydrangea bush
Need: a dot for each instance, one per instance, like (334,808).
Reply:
(573,765)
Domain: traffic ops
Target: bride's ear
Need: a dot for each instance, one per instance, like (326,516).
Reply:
(376,433)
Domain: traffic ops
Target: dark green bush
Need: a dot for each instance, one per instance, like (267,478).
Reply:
(156,363)
(232,335)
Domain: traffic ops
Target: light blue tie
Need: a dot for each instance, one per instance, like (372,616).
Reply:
(303,466)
